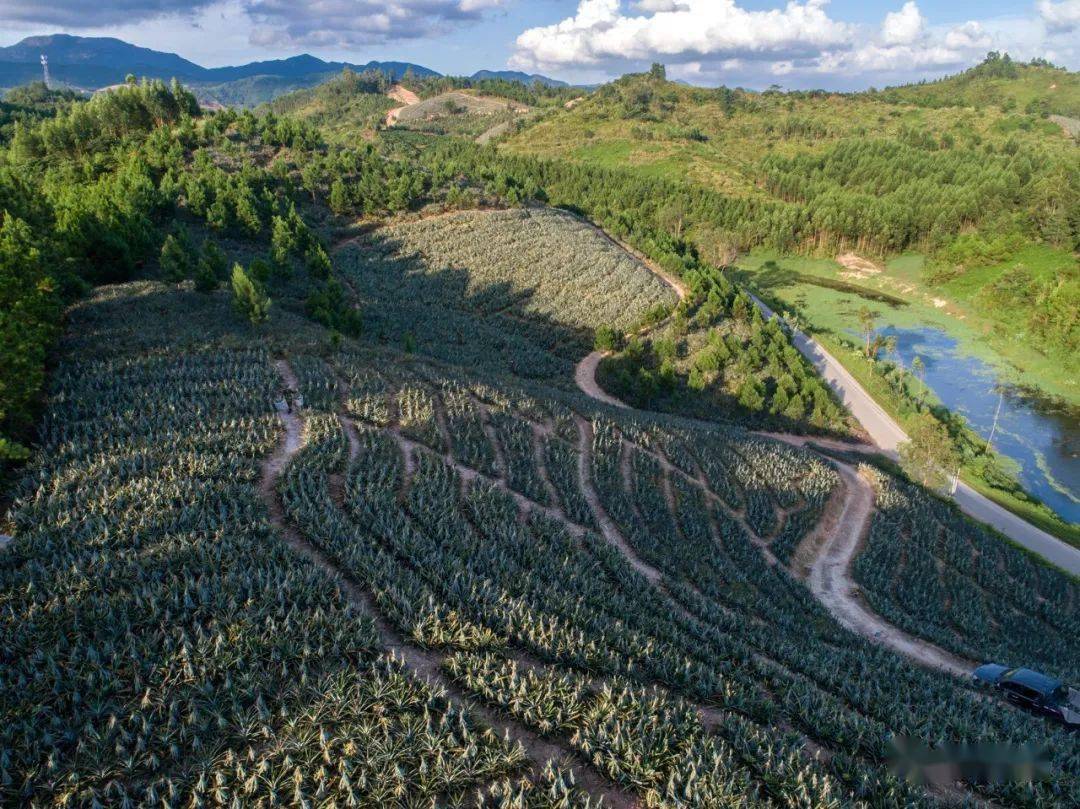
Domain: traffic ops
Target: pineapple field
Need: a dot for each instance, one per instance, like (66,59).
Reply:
(435,585)
(337,529)
(515,290)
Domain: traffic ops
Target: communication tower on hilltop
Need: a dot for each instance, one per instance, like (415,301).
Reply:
(45,70)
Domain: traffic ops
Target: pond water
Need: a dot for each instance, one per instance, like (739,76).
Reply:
(1042,438)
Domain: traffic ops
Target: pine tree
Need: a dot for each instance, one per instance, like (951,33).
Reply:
(176,260)
(249,300)
(339,197)
(212,267)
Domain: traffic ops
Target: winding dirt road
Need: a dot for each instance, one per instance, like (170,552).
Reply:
(833,547)
(838,543)
(585,378)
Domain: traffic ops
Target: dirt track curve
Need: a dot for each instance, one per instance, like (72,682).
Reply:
(585,371)
(841,536)
(420,662)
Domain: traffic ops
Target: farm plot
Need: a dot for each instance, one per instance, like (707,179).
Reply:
(217,666)
(514,292)
(160,645)
(946,579)
(543,263)
(539,613)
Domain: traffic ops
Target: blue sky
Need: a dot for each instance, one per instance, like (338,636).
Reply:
(841,44)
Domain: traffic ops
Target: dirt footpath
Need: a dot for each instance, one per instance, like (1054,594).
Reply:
(830,579)
(406,97)
(585,377)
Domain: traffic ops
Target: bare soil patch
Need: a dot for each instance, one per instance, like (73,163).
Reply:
(404,95)
(858,264)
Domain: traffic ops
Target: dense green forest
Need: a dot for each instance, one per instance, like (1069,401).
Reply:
(966,183)
(30,103)
(349,102)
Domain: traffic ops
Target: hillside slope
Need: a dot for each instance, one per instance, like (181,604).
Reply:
(336,526)
(1001,83)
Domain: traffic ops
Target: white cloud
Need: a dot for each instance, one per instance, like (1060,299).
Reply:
(717,41)
(969,35)
(874,57)
(905,26)
(601,31)
(1064,16)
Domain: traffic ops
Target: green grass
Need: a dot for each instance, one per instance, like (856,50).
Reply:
(1042,260)
(995,335)
(1042,88)
(595,132)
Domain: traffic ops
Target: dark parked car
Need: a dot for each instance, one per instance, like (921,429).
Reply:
(1032,690)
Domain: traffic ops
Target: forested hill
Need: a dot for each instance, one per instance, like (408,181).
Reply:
(999,82)
(824,173)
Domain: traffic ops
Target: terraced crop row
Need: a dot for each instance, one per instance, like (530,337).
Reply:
(473,564)
(941,577)
(161,646)
(515,292)
(605,581)
(543,263)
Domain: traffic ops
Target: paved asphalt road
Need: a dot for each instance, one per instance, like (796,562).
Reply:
(888,435)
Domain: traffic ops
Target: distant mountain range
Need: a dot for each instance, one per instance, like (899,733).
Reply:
(518,76)
(89,63)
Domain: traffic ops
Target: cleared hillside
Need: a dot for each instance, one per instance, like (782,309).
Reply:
(458,113)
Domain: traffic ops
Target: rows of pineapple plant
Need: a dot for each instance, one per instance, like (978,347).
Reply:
(304,490)
(941,577)
(513,292)
(161,646)
(221,668)
(436,491)
(404,310)
(543,263)
(670,750)
(746,636)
